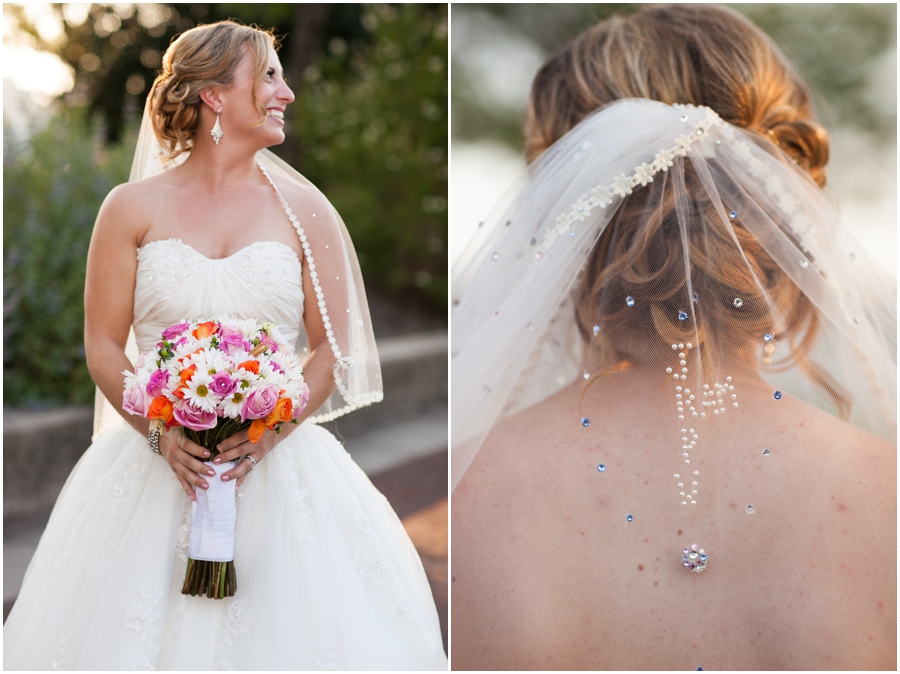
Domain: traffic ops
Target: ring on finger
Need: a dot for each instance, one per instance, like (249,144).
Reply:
(252,462)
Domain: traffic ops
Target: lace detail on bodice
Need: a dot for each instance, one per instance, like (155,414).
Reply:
(170,266)
(174,283)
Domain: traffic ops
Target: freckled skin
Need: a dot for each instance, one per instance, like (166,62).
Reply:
(774,584)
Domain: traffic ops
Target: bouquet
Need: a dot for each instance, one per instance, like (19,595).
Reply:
(212,379)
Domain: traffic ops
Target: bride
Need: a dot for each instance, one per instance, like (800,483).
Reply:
(674,375)
(327,577)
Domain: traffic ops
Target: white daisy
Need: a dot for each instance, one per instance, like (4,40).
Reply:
(199,393)
(233,404)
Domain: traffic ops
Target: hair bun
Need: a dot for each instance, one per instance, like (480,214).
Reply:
(805,141)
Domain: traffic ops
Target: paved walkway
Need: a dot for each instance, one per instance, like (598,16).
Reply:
(407,462)
(418,491)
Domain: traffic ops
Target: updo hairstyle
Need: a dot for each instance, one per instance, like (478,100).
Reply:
(701,55)
(695,54)
(205,56)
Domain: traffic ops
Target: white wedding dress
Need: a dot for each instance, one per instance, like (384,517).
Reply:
(327,577)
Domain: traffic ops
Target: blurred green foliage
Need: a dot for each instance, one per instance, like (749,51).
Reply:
(835,47)
(373,133)
(369,128)
(53,185)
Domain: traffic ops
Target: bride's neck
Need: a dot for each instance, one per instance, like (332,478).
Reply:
(213,167)
(653,355)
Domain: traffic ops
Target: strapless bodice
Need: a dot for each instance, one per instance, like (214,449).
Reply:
(176,283)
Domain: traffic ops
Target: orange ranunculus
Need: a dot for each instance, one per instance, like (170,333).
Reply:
(250,366)
(161,408)
(282,411)
(256,431)
(205,330)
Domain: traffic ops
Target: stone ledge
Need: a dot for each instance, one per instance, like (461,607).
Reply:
(39,451)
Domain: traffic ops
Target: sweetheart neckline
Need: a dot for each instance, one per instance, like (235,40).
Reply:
(220,259)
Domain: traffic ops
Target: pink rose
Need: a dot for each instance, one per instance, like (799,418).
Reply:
(259,403)
(175,330)
(194,418)
(304,399)
(157,384)
(135,401)
(222,384)
(269,342)
(234,343)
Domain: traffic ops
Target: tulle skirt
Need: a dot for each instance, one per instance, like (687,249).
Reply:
(327,577)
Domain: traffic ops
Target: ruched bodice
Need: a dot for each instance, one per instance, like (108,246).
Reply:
(176,283)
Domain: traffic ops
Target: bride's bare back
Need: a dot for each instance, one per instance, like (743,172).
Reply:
(548,574)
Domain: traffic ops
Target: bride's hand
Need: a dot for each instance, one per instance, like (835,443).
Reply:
(182,455)
(238,445)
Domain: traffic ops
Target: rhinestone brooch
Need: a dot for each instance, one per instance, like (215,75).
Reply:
(694,558)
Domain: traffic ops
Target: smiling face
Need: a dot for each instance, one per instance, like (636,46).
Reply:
(240,112)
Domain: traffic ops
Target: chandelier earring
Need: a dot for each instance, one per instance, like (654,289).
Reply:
(217,132)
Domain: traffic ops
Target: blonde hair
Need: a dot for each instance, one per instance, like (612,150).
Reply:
(701,55)
(202,57)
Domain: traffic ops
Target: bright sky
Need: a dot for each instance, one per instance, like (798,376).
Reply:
(29,69)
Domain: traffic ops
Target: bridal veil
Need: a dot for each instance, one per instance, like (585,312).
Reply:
(665,236)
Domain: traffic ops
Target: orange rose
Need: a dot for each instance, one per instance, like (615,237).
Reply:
(185,358)
(186,374)
(256,431)
(250,366)
(161,408)
(282,411)
(205,330)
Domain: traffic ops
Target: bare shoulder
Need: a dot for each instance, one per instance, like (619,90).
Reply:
(515,450)
(861,461)
(848,495)
(127,211)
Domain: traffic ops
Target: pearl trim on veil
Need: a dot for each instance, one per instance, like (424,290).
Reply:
(342,363)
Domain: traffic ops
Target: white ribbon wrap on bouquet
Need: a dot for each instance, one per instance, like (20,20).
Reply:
(213,516)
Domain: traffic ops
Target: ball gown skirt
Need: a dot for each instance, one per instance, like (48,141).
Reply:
(327,577)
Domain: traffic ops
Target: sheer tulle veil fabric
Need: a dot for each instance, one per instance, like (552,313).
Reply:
(340,292)
(663,235)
